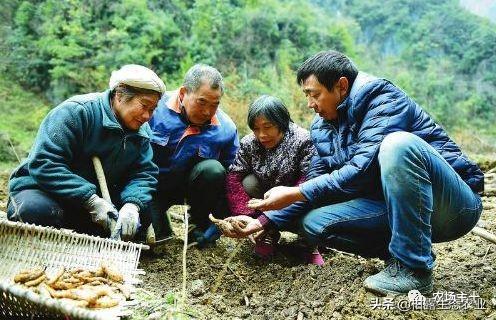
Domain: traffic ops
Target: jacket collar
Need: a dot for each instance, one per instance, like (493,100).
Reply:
(360,81)
(173,104)
(110,121)
(344,103)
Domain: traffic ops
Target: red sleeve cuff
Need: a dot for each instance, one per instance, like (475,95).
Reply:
(264,221)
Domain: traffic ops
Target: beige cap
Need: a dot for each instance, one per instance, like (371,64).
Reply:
(137,76)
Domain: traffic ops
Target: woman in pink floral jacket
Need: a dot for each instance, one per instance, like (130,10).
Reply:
(276,153)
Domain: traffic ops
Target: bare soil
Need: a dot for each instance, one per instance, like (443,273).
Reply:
(228,282)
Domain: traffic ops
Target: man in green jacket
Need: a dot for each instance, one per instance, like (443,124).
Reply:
(57,185)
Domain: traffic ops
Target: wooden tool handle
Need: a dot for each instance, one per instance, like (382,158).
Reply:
(102,182)
(484,234)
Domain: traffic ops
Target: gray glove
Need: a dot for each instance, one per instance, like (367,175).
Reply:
(102,212)
(128,222)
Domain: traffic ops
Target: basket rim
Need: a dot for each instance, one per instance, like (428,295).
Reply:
(70,232)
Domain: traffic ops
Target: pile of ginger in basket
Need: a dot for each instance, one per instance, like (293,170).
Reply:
(101,288)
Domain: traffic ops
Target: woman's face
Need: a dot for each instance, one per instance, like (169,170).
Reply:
(266,132)
(135,112)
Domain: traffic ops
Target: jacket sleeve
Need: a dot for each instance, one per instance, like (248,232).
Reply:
(59,136)
(228,153)
(243,161)
(237,196)
(142,179)
(241,167)
(317,167)
(287,217)
(386,112)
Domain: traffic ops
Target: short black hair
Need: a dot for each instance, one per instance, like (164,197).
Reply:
(328,67)
(273,109)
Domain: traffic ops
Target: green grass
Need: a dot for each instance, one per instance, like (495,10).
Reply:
(21,111)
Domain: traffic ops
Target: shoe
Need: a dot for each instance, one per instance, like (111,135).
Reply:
(194,235)
(397,278)
(209,237)
(265,245)
(314,258)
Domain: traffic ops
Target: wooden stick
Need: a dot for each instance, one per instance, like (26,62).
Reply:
(484,234)
(185,250)
(100,175)
(102,182)
(235,274)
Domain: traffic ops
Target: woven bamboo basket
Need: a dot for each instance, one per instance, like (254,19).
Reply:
(25,246)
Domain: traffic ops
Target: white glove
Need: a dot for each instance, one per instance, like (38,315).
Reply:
(128,222)
(102,212)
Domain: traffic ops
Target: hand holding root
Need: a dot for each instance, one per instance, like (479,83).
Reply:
(237,226)
(226,226)
(223,225)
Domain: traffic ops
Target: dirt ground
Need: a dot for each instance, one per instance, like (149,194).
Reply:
(227,282)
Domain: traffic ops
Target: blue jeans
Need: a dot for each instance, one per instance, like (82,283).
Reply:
(426,201)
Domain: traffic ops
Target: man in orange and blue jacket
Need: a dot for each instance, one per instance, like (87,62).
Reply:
(194,143)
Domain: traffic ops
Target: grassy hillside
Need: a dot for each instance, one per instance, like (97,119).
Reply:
(21,113)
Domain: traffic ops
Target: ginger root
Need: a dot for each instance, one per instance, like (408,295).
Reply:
(35,282)
(101,288)
(223,225)
(29,275)
(113,274)
(57,276)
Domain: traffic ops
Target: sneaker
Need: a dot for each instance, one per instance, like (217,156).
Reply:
(265,245)
(194,235)
(314,258)
(397,278)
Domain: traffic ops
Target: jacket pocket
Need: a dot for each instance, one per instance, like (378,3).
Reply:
(161,151)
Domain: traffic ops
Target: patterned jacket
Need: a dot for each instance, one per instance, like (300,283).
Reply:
(284,165)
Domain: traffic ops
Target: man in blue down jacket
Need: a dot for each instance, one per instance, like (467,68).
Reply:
(387,179)
(57,185)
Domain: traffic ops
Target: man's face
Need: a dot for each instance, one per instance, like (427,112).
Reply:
(323,101)
(200,105)
(134,113)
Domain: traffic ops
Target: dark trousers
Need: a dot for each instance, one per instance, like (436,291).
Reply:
(38,207)
(203,188)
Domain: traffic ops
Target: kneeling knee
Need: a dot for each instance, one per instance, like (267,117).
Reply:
(397,146)
(33,206)
(212,171)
